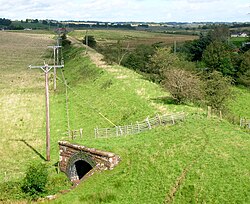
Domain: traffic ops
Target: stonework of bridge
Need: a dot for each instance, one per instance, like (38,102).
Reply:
(79,162)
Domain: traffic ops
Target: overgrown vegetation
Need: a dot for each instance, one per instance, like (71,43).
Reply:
(89,40)
(35,180)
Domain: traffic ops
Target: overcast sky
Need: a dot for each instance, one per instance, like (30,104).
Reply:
(128,10)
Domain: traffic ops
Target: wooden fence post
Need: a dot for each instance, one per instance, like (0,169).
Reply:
(148,122)
(220,115)
(172,117)
(159,118)
(138,127)
(80,132)
(209,110)
(116,129)
(120,130)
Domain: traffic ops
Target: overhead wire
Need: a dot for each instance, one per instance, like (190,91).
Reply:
(84,100)
(63,81)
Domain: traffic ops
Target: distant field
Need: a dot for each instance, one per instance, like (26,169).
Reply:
(131,38)
(21,101)
(238,41)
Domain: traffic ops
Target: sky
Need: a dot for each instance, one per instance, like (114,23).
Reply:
(128,10)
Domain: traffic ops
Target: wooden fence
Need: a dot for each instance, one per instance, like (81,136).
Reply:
(236,120)
(145,125)
(245,122)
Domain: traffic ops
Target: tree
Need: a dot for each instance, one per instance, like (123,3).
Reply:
(183,85)
(244,70)
(89,40)
(220,33)
(217,89)
(163,60)
(5,22)
(217,57)
(65,41)
(139,58)
(194,49)
(44,22)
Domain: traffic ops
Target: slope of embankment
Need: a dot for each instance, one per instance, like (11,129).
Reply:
(199,160)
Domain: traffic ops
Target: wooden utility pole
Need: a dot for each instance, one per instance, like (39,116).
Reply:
(56,61)
(175,47)
(87,41)
(46,68)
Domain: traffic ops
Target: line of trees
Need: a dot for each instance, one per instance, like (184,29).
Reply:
(5,22)
(200,71)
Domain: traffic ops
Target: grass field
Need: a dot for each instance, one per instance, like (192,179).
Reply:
(131,38)
(196,161)
(22,104)
(237,41)
(239,105)
(21,101)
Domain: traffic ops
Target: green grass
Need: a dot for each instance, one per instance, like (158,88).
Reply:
(238,41)
(214,152)
(152,162)
(22,121)
(211,156)
(240,104)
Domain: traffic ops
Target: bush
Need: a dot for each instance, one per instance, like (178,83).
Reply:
(35,181)
(65,41)
(218,89)
(89,40)
(183,85)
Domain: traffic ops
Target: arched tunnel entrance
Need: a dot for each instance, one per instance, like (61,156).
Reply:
(82,167)
(79,165)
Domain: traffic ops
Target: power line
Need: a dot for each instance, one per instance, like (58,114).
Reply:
(84,100)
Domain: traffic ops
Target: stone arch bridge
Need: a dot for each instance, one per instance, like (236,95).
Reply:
(79,162)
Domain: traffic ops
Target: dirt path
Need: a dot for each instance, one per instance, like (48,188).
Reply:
(95,57)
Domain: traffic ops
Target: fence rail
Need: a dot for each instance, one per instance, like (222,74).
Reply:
(245,122)
(236,120)
(145,125)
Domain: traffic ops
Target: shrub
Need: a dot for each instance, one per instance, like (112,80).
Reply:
(218,89)
(35,181)
(65,41)
(89,40)
(183,85)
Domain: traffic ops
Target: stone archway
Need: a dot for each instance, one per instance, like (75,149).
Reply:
(79,161)
(79,165)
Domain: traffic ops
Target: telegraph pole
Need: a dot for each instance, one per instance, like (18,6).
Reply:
(86,41)
(46,68)
(56,61)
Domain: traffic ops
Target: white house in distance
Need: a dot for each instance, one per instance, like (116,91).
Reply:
(242,35)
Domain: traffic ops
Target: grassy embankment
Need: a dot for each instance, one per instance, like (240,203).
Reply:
(198,160)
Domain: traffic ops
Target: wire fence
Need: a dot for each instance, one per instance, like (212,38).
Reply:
(245,123)
(139,127)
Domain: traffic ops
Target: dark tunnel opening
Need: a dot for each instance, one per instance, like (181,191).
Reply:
(82,167)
